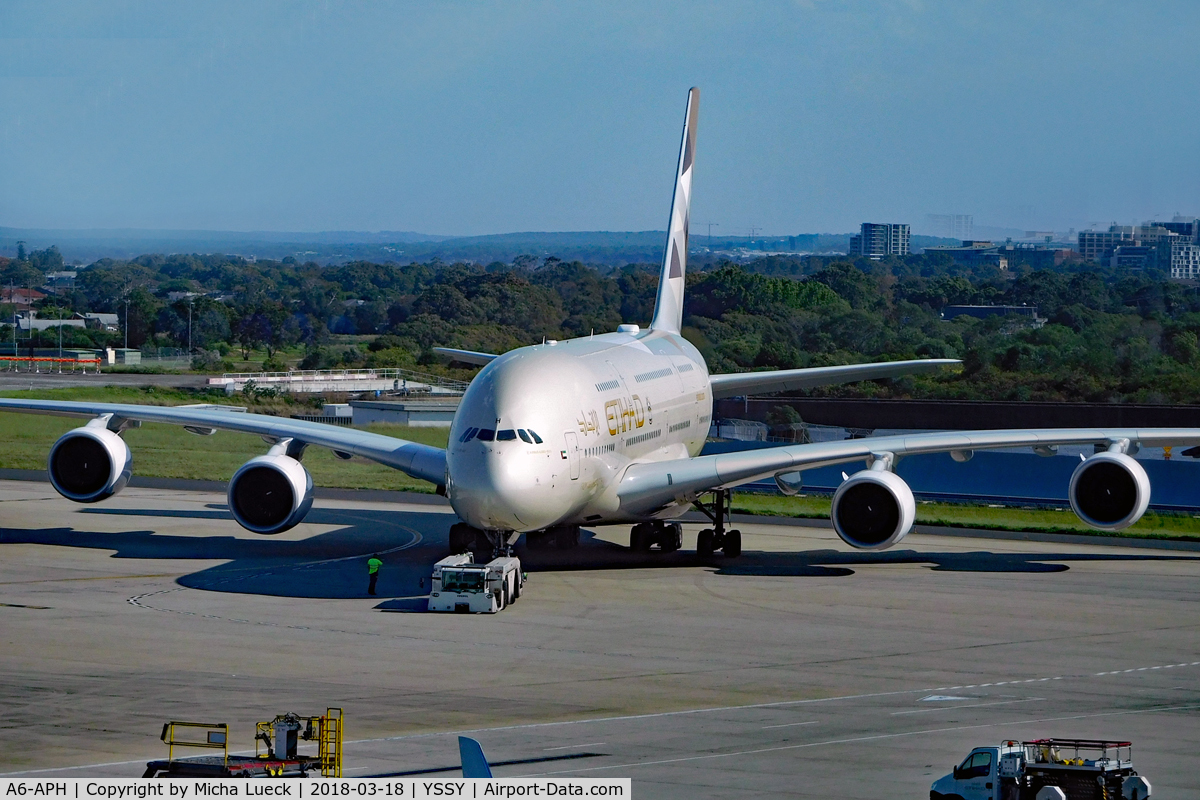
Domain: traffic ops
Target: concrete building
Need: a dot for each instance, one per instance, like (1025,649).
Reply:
(414,413)
(1099,245)
(1153,245)
(1185,261)
(1008,255)
(1028,313)
(876,240)
(972,254)
(952,226)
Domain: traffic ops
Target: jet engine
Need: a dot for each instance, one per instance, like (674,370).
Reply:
(1109,491)
(873,509)
(89,464)
(270,494)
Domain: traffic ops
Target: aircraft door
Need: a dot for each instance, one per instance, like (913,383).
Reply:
(572,452)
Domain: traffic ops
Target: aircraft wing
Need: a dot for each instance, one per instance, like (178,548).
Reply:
(418,460)
(784,380)
(650,486)
(466,356)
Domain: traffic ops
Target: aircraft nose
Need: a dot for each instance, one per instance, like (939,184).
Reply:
(499,490)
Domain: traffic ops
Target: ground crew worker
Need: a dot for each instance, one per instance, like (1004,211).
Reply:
(373,565)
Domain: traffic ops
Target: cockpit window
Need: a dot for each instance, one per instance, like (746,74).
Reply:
(469,435)
(524,436)
(506,435)
(536,438)
(486,435)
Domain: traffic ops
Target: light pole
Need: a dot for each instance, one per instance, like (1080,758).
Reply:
(189,326)
(126,323)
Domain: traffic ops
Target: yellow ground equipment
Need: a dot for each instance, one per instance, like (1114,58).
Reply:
(280,737)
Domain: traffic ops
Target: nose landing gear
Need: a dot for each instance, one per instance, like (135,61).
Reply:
(559,537)
(717,537)
(492,543)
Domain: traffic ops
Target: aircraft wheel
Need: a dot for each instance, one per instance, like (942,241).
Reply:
(733,544)
(671,537)
(640,538)
(704,543)
(566,537)
(462,538)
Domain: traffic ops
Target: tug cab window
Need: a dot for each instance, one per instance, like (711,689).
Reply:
(506,435)
(976,765)
(486,435)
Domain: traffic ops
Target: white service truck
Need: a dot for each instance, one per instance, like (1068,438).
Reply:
(1045,769)
(458,585)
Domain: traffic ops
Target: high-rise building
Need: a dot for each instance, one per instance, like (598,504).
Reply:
(1185,260)
(952,226)
(876,240)
(1099,245)
(1163,245)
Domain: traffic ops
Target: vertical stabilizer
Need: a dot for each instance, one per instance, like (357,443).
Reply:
(668,308)
(474,762)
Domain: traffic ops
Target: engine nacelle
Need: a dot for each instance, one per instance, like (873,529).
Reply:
(89,464)
(1109,491)
(873,509)
(270,494)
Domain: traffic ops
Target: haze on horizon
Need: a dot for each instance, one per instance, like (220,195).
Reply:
(475,118)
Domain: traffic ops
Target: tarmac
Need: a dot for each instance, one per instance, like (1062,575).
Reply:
(801,669)
(24,379)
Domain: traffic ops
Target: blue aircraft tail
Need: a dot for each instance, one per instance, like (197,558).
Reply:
(474,762)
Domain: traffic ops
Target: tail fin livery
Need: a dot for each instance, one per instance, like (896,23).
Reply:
(668,308)
(474,762)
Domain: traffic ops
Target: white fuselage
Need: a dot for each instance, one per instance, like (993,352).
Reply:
(597,404)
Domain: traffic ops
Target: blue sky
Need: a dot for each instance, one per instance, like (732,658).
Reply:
(482,117)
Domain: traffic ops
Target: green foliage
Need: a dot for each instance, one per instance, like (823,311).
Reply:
(1110,336)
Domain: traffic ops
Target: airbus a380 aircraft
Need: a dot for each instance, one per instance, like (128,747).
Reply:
(600,430)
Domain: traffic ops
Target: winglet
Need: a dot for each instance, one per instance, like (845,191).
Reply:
(474,762)
(465,356)
(668,307)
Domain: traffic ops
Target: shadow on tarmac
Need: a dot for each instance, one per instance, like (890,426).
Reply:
(332,565)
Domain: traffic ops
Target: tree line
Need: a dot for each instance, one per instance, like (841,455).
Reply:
(1109,335)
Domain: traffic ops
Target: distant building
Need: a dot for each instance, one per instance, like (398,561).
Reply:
(59,282)
(1133,256)
(981,312)
(972,254)
(876,240)
(105,322)
(952,226)
(22,299)
(1185,261)
(1099,245)
(30,322)
(1008,255)
(1153,245)
(1028,314)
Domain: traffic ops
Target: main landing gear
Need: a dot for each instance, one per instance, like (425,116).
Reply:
(717,537)
(667,535)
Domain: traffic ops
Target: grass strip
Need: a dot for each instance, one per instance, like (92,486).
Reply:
(167,451)
(1154,525)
